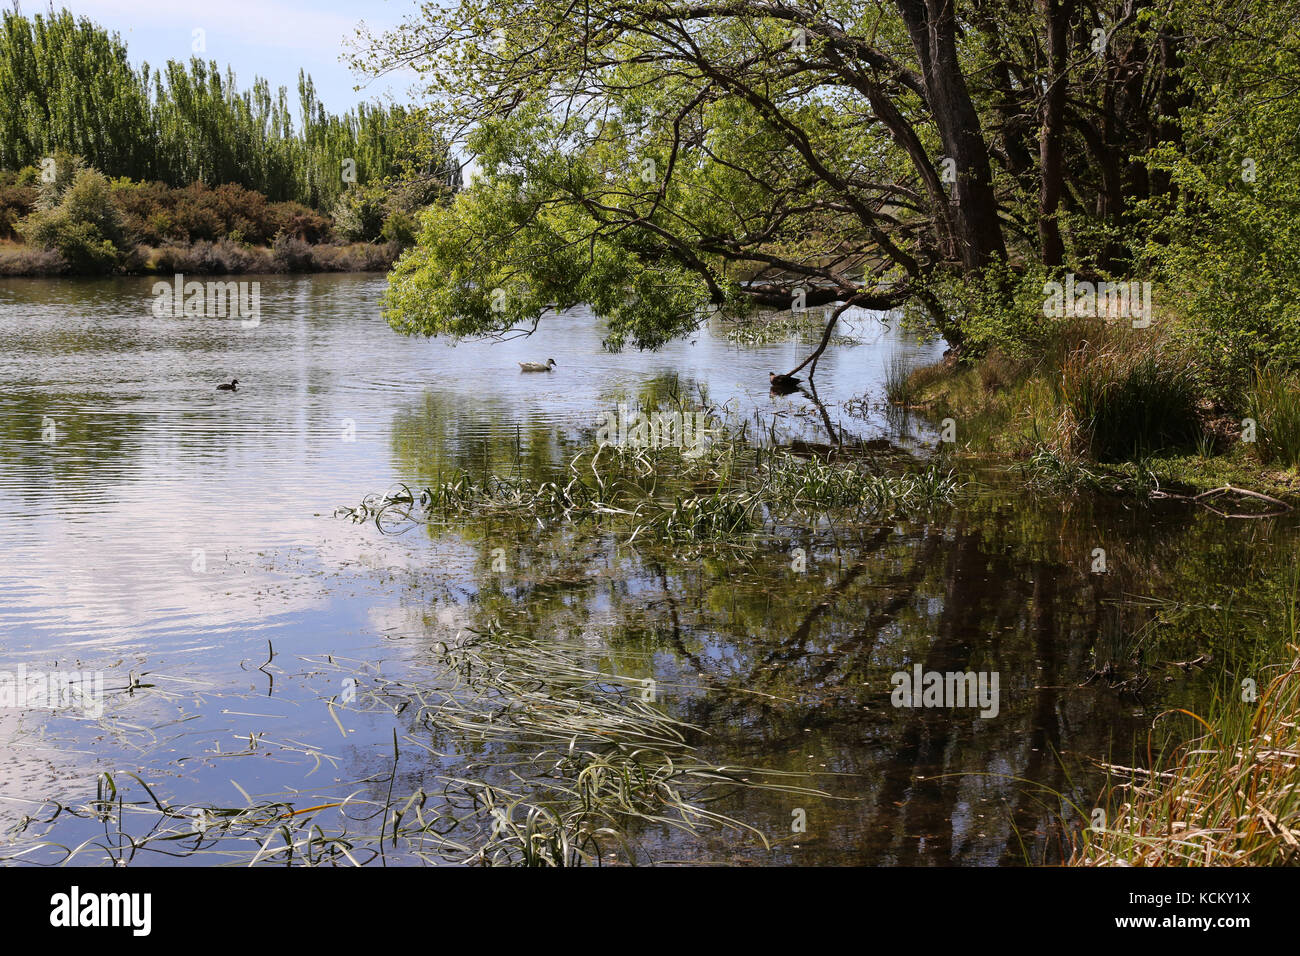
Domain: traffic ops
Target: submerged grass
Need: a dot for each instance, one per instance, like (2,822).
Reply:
(568,765)
(729,490)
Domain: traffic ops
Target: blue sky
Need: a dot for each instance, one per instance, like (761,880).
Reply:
(270,38)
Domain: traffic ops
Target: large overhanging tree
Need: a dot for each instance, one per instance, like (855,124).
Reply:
(661,159)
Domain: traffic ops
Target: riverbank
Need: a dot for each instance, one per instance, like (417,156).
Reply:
(222,257)
(1113,409)
(1225,797)
(1131,412)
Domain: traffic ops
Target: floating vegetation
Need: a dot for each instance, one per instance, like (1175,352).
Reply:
(730,490)
(568,764)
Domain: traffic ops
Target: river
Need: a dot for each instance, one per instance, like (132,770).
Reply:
(183,542)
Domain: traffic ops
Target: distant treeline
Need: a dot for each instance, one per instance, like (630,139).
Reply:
(67,85)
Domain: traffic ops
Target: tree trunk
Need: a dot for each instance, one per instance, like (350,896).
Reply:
(932,26)
(1051,249)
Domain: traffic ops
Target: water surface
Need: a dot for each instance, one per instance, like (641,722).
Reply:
(178,537)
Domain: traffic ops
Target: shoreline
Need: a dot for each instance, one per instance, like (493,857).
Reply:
(1019,418)
(223,257)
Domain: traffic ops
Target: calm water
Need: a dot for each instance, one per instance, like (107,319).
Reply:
(177,536)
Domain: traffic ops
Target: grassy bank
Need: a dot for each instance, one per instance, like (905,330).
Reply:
(1116,408)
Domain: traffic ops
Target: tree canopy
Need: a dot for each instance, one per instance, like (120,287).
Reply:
(659,159)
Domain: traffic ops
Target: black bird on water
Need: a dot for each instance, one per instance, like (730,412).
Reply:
(232,387)
(784,383)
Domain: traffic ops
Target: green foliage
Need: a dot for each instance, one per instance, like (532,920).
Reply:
(68,86)
(359,213)
(1001,308)
(499,256)
(84,226)
(400,227)
(1226,242)
(1273,401)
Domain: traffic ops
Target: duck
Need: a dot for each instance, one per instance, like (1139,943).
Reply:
(783,383)
(232,387)
(537,366)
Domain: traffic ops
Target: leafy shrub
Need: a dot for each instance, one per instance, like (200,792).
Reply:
(400,228)
(84,225)
(360,212)
(155,213)
(15,203)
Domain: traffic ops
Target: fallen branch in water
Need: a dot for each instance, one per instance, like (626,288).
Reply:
(1281,506)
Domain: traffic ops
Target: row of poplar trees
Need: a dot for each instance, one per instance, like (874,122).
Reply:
(67,84)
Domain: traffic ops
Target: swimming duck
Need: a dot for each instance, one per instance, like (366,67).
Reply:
(783,383)
(232,387)
(537,366)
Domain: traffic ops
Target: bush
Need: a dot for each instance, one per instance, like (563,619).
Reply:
(296,220)
(400,228)
(359,213)
(222,257)
(155,213)
(16,202)
(291,255)
(84,226)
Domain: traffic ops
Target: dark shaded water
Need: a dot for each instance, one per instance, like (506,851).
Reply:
(177,536)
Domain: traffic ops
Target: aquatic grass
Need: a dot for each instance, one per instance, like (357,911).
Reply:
(812,484)
(1229,796)
(1273,401)
(899,385)
(728,492)
(566,765)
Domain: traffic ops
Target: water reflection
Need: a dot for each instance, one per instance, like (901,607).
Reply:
(151,469)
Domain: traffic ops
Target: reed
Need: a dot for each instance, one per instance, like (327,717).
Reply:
(1229,796)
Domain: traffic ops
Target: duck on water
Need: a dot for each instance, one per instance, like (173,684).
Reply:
(232,387)
(537,366)
(784,384)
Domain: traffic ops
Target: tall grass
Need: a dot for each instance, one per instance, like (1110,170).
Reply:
(1228,797)
(1273,401)
(899,387)
(1130,396)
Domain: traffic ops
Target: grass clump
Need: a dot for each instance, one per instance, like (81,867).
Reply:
(1228,797)
(1129,396)
(1273,401)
